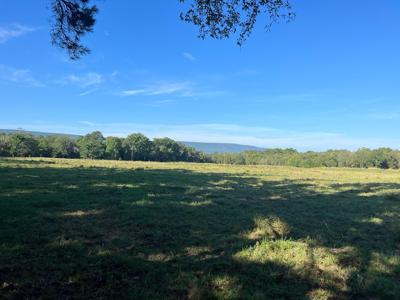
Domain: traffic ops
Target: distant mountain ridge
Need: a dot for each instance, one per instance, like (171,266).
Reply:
(39,133)
(221,147)
(201,146)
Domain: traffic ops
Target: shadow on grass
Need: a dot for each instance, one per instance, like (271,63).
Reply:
(152,234)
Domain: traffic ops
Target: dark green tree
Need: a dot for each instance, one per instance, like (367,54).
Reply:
(5,145)
(137,147)
(166,149)
(23,145)
(92,145)
(192,155)
(363,158)
(63,147)
(385,158)
(44,146)
(114,148)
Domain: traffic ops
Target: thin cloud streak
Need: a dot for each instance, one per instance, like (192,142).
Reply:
(87,123)
(88,92)
(184,88)
(179,89)
(188,56)
(85,80)
(19,76)
(13,31)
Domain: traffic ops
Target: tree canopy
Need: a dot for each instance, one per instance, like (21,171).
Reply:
(137,146)
(93,145)
(72,20)
(114,149)
(218,19)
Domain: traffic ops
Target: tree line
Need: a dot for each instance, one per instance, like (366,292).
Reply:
(137,146)
(384,158)
(94,145)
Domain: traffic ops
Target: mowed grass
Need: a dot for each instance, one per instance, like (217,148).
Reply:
(107,229)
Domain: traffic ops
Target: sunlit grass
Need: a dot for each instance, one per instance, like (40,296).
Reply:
(147,230)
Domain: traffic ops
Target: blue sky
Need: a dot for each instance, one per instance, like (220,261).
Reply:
(329,79)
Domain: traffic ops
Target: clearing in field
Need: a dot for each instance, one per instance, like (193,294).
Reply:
(106,229)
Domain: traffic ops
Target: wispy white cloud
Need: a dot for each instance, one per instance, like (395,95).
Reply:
(222,133)
(87,123)
(88,92)
(177,89)
(133,92)
(162,102)
(189,56)
(182,88)
(13,31)
(19,76)
(85,80)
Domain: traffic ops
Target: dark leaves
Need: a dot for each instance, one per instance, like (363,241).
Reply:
(220,19)
(72,20)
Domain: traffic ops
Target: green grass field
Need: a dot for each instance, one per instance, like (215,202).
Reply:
(107,229)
